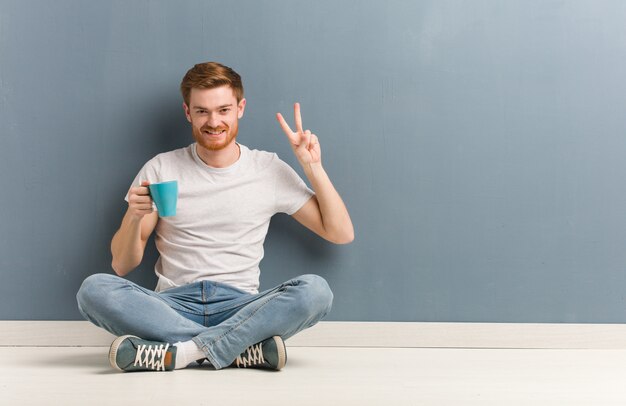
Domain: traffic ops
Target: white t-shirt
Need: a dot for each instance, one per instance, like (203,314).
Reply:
(222,215)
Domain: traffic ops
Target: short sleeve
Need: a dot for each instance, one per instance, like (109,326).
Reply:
(291,193)
(149,172)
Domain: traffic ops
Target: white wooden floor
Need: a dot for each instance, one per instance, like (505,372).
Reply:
(325,376)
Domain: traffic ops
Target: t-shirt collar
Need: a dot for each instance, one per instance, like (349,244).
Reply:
(228,169)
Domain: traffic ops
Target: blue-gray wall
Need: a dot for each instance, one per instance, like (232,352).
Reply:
(479,145)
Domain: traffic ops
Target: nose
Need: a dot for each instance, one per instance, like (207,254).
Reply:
(213,121)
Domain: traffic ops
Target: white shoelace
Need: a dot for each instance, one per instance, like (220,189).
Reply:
(151,356)
(254,356)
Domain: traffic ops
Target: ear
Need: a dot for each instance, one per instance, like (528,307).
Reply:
(187,112)
(241,107)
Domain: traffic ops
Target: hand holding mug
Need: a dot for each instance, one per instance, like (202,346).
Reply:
(139,200)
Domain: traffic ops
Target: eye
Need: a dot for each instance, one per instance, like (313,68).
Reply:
(224,111)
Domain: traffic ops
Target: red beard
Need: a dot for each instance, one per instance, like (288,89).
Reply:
(212,143)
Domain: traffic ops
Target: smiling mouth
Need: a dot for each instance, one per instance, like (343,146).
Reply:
(213,132)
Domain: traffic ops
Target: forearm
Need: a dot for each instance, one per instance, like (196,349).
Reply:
(335,217)
(127,247)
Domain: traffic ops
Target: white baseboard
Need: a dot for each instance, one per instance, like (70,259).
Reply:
(360,334)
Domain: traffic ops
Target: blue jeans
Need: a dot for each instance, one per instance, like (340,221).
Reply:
(222,320)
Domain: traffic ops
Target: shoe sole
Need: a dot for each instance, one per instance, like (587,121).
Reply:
(113,351)
(282,352)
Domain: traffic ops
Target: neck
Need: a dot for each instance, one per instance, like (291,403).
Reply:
(221,158)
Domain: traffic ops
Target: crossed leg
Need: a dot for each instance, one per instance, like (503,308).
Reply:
(222,328)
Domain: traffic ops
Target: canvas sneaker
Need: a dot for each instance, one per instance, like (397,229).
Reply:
(130,353)
(268,354)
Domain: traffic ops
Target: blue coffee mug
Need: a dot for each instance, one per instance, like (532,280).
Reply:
(165,196)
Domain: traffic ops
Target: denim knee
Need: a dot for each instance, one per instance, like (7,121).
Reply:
(315,296)
(94,291)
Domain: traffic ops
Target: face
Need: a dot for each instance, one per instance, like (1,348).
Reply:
(214,115)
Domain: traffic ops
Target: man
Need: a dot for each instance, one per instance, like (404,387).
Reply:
(206,304)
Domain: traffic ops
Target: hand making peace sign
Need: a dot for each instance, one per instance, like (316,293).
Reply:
(304,144)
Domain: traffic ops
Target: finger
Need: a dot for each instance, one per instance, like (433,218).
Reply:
(139,199)
(139,194)
(141,191)
(306,140)
(283,124)
(296,113)
(286,129)
(140,205)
